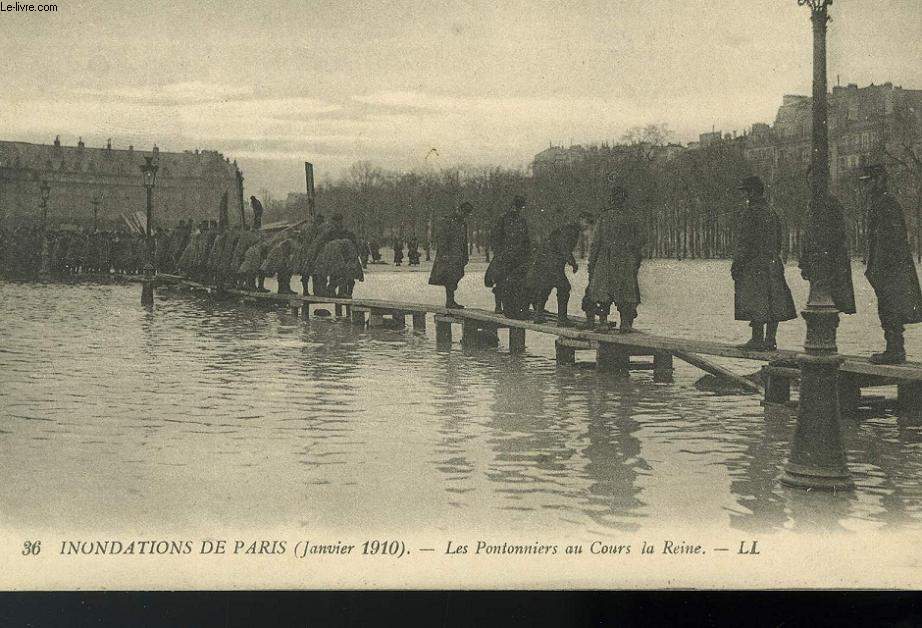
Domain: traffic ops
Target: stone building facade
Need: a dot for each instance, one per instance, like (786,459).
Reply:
(189,184)
(863,123)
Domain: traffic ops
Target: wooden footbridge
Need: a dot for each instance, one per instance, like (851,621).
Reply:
(615,353)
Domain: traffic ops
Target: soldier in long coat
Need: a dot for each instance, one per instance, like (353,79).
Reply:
(302,261)
(614,261)
(278,263)
(251,268)
(511,244)
(761,293)
(451,253)
(890,268)
(830,241)
(548,268)
(246,240)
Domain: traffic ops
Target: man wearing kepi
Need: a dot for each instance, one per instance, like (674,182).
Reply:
(614,261)
(761,293)
(510,241)
(890,269)
(547,271)
(451,254)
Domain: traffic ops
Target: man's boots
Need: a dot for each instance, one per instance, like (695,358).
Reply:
(627,319)
(895,353)
(771,333)
(563,319)
(285,284)
(450,302)
(261,281)
(498,309)
(757,342)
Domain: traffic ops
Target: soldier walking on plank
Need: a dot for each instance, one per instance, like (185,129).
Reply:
(511,245)
(451,254)
(547,270)
(614,261)
(761,293)
(890,268)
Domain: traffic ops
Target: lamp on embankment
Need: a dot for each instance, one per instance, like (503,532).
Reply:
(149,173)
(44,189)
(817,459)
(97,200)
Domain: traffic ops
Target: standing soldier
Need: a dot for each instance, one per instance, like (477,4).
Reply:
(761,293)
(257,213)
(890,269)
(451,253)
(302,260)
(548,268)
(832,244)
(398,251)
(511,246)
(614,261)
(278,263)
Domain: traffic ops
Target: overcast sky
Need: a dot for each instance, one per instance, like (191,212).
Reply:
(275,83)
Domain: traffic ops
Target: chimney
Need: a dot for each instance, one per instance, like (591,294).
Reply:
(80,143)
(109,145)
(57,141)
(131,148)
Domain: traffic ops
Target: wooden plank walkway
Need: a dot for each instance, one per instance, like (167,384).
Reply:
(613,349)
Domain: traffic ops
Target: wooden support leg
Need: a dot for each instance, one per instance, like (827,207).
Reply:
(777,387)
(419,321)
(849,395)
(909,399)
(338,309)
(294,307)
(516,340)
(565,355)
(305,310)
(400,319)
(470,333)
(358,317)
(443,334)
(662,367)
(613,358)
(376,319)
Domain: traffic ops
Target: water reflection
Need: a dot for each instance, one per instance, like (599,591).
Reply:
(205,410)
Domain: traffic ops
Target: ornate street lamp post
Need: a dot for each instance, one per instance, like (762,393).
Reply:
(97,200)
(149,172)
(45,192)
(44,189)
(817,459)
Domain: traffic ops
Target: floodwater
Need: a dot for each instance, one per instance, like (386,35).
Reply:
(201,412)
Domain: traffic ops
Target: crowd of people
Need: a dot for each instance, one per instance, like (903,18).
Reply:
(329,259)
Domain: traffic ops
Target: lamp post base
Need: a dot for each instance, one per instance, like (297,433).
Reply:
(147,286)
(817,459)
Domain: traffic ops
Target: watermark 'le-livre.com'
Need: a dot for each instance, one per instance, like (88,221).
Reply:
(18,7)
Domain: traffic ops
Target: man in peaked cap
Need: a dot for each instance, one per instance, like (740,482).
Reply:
(761,293)
(510,240)
(890,269)
(614,262)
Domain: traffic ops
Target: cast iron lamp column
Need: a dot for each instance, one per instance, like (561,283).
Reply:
(45,191)
(149,171)
(817,459)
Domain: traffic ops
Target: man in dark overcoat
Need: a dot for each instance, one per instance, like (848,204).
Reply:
(451,254)
(614,261)
(828,245)
(548,268)
(890,268)
(510,242)
(761,293)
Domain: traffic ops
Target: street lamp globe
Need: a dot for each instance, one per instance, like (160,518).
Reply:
(149,172)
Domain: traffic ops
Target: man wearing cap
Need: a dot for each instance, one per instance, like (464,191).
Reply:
(548,267)
(890,269)
(451,253)
(761,293)
(511,245)
(614,261)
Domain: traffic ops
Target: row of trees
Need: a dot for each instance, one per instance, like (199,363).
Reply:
(687,200)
